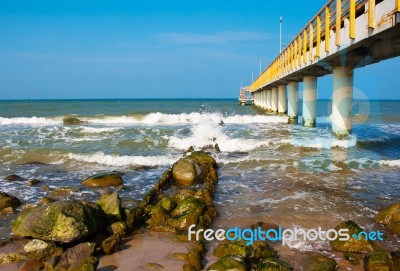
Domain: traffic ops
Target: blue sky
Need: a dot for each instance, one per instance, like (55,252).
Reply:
(154,49)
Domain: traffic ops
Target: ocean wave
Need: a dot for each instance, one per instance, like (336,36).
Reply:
(390,163)
(156,118)
(322,142)
(30,121)
(125,160)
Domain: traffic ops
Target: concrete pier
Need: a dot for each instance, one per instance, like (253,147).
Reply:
(342,101)
(309,101)
(264,92)
(274,99)
(293,102)
(268,99)
(282,99)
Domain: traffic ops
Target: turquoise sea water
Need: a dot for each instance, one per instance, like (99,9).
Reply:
(283,173)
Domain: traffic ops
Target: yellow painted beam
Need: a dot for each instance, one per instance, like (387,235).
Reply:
(371,14)
(352,32)
(304,47)
(299,51)
(318,37)
(398,5)
(327,28)
(310,55)
(338,21)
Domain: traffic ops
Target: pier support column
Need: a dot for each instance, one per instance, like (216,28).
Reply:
(293,102)
(264,99)
(309,101)
(274,99)
(342,101)
(282,99)
(268,99)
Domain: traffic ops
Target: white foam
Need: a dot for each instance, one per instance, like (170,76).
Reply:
(295,196)
(391,163)
(97,130)
(30,121)
(125,160)
(323,142)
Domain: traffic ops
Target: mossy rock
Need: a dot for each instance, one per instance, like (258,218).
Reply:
(80,257)
(8,201)
(353,244)
(61,221)
(318,262)
(14,178)
(184,221)
(38,249)
(109,244)
(238,248)
(194,258)
(185,172)
(118,228)
(184,193)
(274,264)
(166,203)
(229,263)
(104,179)
(394,223)
(395,261)
(377,261)
(158,216)
(111,205)
(384,216)
(351,257)
(191,204)
(154,266)
(203,158)
(188,267)
(12,257)
(261,249)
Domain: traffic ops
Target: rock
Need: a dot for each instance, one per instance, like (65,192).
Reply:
(69,120)
(32,182)
(46,200)
(11,257)
(167,204)
(318,262)
(182,195)
(216,148)
(384,216)
(104,179)
(353,244)
(273,264)
(227,263)
(178,256)
(154,266)
(158,216)
(110,243)
(185,172)
(395,261)
(8,201)
(394,223)
(62,193)
(31,265)
(118,228)
(351,257)
(206,195)
(111,205)
(38,249)
(189,204)
(61,221)
(194,259)
(256,250)
(183,222)
(14,178)
(80,257)
(376,261)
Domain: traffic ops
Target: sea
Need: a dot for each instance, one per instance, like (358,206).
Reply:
(269,170)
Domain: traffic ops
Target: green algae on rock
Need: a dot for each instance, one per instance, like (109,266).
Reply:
(104,179)
(274,264)
(61,221)
(353,244)
(318,262)
(377,261)
(229,262)
(8,202)
(111,205)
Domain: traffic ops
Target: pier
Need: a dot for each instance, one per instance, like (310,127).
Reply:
(342,36)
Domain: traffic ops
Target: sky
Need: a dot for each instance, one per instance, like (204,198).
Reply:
(73,49)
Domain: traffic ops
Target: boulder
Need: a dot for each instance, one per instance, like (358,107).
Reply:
(274,264)
(154,266)
(167,204)
(185,172)
(377,261)
(12,257)
(80,257)
(14,178)
(109,244)
(61,221)
(32,182)
(318,262)
(104,179)
(188,267)
(158,216)
(111,205)
(117,228)
(228,263)
(38,249)
(238,248)
(186,213)
(384,216)
(353,244)
(351,257)
(31,265)
(8,201)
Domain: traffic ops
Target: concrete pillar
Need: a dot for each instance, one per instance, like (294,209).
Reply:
(274,99)
(282,99)
(293,102)
(342,101)
(264,99)
(268,99)
(309,101)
